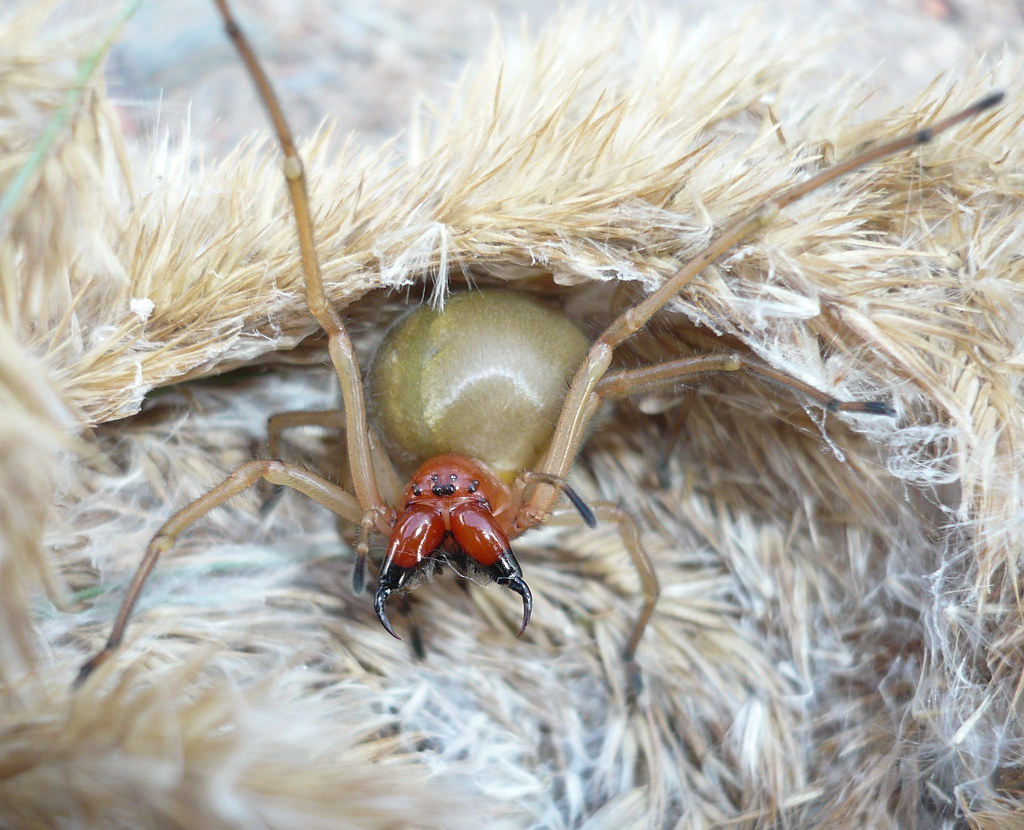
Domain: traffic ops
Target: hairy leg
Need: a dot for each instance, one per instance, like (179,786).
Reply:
(319,489)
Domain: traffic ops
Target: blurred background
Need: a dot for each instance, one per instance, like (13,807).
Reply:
(365,64)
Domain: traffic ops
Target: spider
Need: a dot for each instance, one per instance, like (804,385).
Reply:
(474,491)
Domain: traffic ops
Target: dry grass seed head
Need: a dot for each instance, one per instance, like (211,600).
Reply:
(829,621)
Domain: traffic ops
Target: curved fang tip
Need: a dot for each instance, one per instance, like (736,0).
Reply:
(516,584)
(383,592)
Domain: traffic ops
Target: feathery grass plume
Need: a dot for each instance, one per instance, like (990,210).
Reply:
(838,640)
(32,438)
(40,233)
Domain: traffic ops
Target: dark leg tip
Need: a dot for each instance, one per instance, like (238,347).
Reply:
(88,668)
(634,681)
(990,100)
(879,408)
(359,575)
(581,506)
(861,407)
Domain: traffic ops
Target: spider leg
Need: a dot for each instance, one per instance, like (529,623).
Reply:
(357,430)
(616,385)
(581,401)
(283,421)
(635,318)
(629,532)
(527,476)
(335,419)
(319,489)
(592,382)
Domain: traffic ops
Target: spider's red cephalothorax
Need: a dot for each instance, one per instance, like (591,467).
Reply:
(453,505)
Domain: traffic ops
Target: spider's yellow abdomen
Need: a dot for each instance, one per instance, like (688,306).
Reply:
(485,378)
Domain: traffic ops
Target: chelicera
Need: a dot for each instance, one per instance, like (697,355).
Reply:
(479,483)
(454,500)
